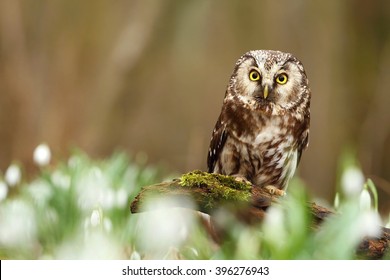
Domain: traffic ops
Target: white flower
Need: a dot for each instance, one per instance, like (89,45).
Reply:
(107,198)
(369,224)
(93,190)
(365,200)
(135,256)
(96,245)
(17,224)
(352,181)
(61,180)
(42,155)
(3,190)
(163,226)
(121,198)
(95,218)
(274,226)
(74,162)
(40,191)
(13,175)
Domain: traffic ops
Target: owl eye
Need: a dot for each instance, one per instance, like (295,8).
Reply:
(254,75)
(281,79)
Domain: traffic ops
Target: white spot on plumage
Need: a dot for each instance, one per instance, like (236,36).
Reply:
(270,152)
(265,135)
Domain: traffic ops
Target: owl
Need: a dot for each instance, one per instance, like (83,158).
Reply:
(264,123)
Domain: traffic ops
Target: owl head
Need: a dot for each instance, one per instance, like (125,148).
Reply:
(267,78)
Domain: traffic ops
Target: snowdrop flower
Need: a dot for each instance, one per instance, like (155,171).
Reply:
(93,190)
(60,179)
(17,224)
(369,224)
(74,162)
(365,200)
(172,226)
(107,198)
(95,218)
(352,181)
(40,191)
(135,256)
(96,245)
(3,190)
(95,221)
(274,225)
(121,198)
(42,155)
(13,175)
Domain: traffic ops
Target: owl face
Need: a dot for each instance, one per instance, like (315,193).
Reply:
(269,78)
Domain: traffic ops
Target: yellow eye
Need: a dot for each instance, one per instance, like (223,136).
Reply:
(254,75)
(281,79)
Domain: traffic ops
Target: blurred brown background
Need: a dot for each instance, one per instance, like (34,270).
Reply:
(150,76)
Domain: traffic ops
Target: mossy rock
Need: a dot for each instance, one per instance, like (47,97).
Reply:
(207,190)
(219,187)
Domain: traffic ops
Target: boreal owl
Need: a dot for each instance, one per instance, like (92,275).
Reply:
(264,122)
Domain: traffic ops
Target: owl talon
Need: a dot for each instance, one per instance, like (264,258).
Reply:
(241,179)
(272,190)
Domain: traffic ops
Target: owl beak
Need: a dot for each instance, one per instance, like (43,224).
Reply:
(265,92)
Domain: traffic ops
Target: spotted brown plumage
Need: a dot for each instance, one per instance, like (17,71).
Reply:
(263,126)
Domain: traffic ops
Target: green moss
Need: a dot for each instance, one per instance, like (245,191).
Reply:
(218,187)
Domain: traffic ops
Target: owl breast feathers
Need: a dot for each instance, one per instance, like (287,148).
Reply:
(264,122)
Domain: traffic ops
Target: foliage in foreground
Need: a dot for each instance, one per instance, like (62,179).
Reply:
(79,209)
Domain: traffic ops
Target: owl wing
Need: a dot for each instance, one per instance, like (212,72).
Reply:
(217,142)
(303,144)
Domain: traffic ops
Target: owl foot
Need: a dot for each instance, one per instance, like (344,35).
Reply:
(241,179)
(272,190)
